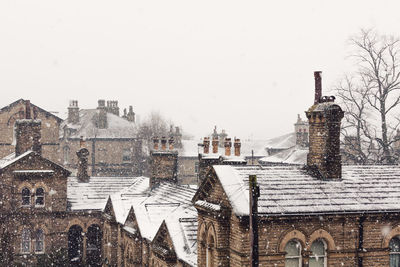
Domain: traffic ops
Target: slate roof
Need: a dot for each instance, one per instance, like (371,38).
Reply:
(167,202)
(94,194)
(288,190)
(117,127)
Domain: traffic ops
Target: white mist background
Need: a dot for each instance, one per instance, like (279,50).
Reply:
(246,66)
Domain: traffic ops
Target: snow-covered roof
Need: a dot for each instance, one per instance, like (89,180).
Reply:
(182,227)
(294,156)
(117,127)
(287,190)
(93,195)
(282,142)
(8,160)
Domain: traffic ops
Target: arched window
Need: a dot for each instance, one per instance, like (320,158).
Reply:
(26,197)
(210,251)
(25,241)
(293,254)
(39,241)
(39,197)
(318,254)
(394,246)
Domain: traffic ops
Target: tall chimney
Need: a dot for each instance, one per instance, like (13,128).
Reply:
(163,143)
(28,133)
(206,145)
(237,146)
(228,145)
(318,87)
(73,112)
(324,118)
(102,119)
(82,174)
(215,144)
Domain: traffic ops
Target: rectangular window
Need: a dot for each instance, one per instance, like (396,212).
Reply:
(126,155)
(39,241)
(196,167)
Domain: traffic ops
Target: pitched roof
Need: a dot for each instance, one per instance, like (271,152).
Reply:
(11,159)
(282,142)
(293,155)
(93,195)
(117,127)
(288,190)
(32,105)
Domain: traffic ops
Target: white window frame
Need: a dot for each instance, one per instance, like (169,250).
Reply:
(43,243)
(28,196)
(28,241)
(393,252)
(295,257)
(325,256)
(36,197)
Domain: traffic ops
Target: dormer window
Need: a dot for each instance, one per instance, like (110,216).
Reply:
(26,197)
(126,155)
(39,197)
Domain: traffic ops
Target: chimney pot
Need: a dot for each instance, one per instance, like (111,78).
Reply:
(163,143)
(171,143)
(215,143)
(237,146)
(228,145)
(155,143)
(206,143)
(318,86)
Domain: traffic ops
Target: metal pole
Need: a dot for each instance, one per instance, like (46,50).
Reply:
(254,193)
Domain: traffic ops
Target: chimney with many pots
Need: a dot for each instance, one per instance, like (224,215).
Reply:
(163,162)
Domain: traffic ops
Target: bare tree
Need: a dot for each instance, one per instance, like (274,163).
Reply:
(371,96)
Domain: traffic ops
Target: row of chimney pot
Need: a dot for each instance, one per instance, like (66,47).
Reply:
(227,145)
(163,140)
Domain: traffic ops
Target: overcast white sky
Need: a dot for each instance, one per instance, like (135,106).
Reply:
(246,66)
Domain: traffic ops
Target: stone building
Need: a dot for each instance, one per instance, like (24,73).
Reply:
(321,214)
(111,140)
(49,130)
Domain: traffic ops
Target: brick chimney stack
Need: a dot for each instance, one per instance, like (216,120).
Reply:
(83,155)
(215,144)
(324,118)
(163,143)
(206,145)
(227,145)
(102,119)
(28,133)
(237,146)
(73,112)
(131,115)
